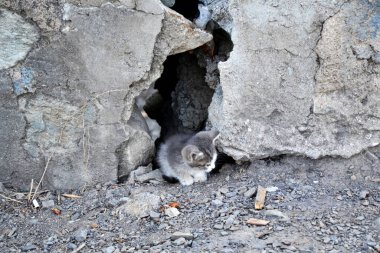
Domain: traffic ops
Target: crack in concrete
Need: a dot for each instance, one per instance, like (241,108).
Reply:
(314,50)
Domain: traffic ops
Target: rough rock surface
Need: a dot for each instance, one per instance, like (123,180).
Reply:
(70,103)
(302,79)
(16,38)
(139,205)
(220,13)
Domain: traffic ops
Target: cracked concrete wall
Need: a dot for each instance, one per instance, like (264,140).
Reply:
(67,104)
(303,79)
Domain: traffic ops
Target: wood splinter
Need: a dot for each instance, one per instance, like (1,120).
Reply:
(260,198)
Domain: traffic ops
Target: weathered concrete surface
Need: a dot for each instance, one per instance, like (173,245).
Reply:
(73,95)
(15,164)
(16,38)
(302,79)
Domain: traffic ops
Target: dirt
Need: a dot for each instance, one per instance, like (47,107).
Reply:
(326,205)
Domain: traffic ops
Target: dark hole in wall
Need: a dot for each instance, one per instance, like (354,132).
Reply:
(188,8)
(273,159)
(188,82)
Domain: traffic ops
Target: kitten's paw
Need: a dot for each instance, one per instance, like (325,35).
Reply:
(186,181)
(200,177)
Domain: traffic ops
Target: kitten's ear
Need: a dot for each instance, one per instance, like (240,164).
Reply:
(214,135)
(191,153)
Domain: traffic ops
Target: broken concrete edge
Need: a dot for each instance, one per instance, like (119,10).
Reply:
(241,156)
(163,47)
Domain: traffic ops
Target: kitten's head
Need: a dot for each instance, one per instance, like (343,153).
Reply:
(200,150)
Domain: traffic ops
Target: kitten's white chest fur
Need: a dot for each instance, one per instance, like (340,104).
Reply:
(188,158)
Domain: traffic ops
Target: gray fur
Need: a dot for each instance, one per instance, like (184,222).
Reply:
(188,158)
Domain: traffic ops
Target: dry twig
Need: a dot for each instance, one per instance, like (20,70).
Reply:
(42,177)
(79,248)
(260,198)
(31,189)
(73,196)
(8,198)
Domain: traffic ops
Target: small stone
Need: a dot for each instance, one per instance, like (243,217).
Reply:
(360,218)
(326,239)
(353,177)
(286,242)
(81,234)
(28,246)
(272,189)
(154,215)
(365,202)
(12,232)
(371,244)
(224,233)
(186,235)
(339,197)
(231,194)
(363,194)
(234,228)
(250,192)
(47,203)
(71,246)
(139,205)
(229,222)
(143,170)
(171,212)
(276,213)
(180,241)
(75,216)
(153,175)
(218,226)
(109,249)
(223,190)
(217,202)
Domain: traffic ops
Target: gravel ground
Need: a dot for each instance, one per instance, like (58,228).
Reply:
(326,205)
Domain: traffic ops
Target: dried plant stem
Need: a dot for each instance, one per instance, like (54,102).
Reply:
(31,189)
(8,198)
(42,177)
(79,248)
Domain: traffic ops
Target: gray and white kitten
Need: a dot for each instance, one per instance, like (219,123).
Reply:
(188,158)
